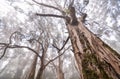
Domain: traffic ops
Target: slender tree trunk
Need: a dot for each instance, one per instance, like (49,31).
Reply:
(42,66)
(33,67)
(59,69)
(95,59)
(60,74)
(40,72)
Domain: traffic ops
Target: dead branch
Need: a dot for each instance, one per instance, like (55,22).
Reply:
(49,6)
(57,56)
(65,3)
(4,51)
(71,4)
(10,38)
(59,49)
(17,46)
(51,15)
(65,43)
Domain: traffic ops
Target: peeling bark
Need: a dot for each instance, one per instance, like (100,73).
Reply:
(95,59)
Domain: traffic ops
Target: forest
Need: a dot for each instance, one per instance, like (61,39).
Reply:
(59,39)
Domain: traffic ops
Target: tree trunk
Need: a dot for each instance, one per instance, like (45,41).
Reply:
(40,72)
(60,73)
(42,66)
(32,71)
(33,67)
(95,59)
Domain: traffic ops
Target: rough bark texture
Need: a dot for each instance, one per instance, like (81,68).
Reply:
(95,59)
(73,16)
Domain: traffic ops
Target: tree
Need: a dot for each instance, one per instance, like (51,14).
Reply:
(40,51)
(60,73)
(95,59)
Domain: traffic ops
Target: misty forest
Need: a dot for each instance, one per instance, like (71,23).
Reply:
(59,39)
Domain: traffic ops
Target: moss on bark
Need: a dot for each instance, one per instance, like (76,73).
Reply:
(90,64)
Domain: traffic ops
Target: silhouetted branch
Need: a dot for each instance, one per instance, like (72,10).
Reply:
(65,43)
(17,46)
(55,46)
(4,51)
(59,49)
(51,15)
(56,56)
(49,6)
(71,4)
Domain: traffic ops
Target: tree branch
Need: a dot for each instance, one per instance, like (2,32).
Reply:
(17,46)
(49,6)
(4,51)
(54,59)
(65,43)
(71,4)
(51,15)
(56,56)
(59,49)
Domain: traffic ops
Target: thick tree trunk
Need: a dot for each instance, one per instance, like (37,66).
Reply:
(95,59)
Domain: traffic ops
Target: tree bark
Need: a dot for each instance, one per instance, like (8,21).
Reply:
(32,70)
(33,67)
(42,65)
(60,73)
(40,72)
(95,59)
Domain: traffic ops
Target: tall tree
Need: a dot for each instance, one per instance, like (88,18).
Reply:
(95,59)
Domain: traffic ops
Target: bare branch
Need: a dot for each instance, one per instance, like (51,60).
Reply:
(4,52)
(65,3)
(10,38)
(71,4)
(57,4)
(65,43)
(51,15)
(54,58)
(49,6)
(55,47)
(59,49)
(57,56)
(17,46)
(4,44)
